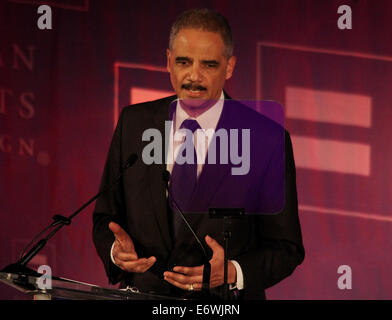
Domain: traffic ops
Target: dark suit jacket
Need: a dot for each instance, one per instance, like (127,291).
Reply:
(268,247)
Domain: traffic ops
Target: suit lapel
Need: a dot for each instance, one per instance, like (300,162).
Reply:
(155,171)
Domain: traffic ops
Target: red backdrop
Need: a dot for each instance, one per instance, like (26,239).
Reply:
(61,90)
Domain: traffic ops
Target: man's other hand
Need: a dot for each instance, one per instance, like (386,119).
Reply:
(191,278)
(124,253)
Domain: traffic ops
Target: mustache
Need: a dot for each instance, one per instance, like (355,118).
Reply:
(193,86)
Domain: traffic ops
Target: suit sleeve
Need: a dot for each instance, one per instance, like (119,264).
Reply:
(278,246)
(110,206)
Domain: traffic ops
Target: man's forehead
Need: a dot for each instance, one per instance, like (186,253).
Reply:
(197,41)
(208,58)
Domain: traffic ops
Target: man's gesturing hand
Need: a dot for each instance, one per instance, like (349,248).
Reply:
(124,253)
(192,277)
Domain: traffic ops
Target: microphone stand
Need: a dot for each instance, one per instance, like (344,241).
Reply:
(207,266)
(59,221)
(226,214)
(57,224)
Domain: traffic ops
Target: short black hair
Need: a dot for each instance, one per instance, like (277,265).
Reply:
(207,20)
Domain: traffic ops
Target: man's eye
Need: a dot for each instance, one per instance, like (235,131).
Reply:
(212,65)
(182,63)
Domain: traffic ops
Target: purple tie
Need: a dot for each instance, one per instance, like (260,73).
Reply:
(183,178)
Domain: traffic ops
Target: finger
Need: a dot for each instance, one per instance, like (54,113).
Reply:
(125,256)
(140,262)
(139,265)
(180,278)
(148,264)
(177,284)
(114,227)
(196,286)
(190,271)
(124,248)
(118,232)
(122,238)
(214,245)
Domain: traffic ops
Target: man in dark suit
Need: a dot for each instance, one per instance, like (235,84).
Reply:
(133,224)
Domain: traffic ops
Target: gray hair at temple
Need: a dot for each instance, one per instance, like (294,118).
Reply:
(206,20)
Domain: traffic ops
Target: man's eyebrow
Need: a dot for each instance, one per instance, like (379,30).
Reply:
(183,59)
(210,62)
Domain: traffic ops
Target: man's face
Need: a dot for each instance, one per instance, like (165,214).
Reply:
(198,65)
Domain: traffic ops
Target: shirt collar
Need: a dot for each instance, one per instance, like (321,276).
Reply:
(207,120)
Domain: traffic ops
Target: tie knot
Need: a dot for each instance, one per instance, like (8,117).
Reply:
(190,124)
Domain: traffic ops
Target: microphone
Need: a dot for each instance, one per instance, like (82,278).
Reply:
(57,224)
(207,266)
(129,163)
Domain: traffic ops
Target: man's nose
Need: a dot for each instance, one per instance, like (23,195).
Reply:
(195,73)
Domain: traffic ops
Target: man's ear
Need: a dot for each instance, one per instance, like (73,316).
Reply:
(230,67)
(168,59)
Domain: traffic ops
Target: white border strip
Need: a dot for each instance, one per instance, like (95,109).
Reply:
(345,213)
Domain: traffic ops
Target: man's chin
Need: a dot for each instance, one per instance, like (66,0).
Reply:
(195,99)
(196,102)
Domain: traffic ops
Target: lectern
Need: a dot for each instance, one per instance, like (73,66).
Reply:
(66,289)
